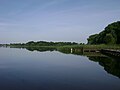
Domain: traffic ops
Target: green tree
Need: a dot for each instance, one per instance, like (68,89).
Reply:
(110,35)
(92,39)
(109,39)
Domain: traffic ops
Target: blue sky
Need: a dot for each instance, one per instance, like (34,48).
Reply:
(55,20)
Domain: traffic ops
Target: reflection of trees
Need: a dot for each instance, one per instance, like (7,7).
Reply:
(68,51)
(41,49)
(110,65)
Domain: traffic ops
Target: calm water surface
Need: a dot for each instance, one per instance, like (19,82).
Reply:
(21,69)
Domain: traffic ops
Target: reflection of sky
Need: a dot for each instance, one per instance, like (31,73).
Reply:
(55,20)
(26,70)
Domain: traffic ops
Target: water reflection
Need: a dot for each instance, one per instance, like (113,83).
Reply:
(21,69)
(41,49)
(111,65)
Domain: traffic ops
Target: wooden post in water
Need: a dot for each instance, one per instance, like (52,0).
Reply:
(71,50)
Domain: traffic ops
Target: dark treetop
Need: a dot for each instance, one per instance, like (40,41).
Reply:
(110,35)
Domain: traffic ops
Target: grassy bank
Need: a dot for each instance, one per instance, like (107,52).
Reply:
(102,46)
(116,47)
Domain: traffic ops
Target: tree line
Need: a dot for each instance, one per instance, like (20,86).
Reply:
(44,43)
(110,35)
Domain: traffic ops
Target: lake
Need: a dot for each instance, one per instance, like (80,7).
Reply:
(22,69)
